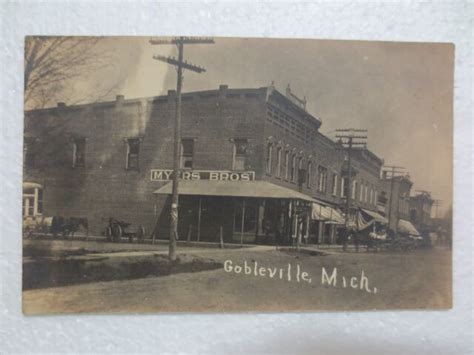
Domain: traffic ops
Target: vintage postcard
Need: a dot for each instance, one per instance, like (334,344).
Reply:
(190,174)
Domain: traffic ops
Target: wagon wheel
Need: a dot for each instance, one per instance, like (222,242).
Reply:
(108,234)
(117,232)
(141,233)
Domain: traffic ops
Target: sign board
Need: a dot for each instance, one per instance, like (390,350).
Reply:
(215,175)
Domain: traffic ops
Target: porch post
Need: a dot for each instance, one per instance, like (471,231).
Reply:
(242,224)
(199,220)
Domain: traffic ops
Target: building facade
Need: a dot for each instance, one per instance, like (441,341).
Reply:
(253,164)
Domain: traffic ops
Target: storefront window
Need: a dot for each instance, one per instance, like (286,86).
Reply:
(245,211)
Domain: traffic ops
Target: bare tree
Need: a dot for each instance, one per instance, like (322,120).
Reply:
(51,62)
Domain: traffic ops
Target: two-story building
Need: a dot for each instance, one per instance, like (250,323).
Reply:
(254,167)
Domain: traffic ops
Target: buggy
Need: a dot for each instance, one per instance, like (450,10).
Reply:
(116,229)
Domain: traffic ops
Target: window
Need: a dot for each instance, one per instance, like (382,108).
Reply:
(240,154)
(366,193)
(32,200)
(79,152)
(245,211)
(343,187)
(133,150)
(187,153)
(361,194)
(29,152)
(300,166)
(287,164)
(322,178)
(334,184)
(376,198)
(278,165)
(293,168)
(269,157)
(309,171)
(371,196)
(354,187)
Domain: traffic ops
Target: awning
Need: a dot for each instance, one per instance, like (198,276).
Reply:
(376,216)
(257,189)
(405,226)
(328,214)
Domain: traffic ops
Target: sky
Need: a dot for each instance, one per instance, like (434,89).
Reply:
(401,92)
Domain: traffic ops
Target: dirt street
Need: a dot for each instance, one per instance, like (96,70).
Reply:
(362,281)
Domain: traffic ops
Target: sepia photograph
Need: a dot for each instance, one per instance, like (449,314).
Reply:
(220,174)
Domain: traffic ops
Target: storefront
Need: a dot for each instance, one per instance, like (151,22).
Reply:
(325,221)
(242,212)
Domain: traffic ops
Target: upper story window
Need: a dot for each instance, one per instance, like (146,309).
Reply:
(293,168)
(376,197)
(322,178)
(79,152)
(187,153)
(366,196)
(286,165)
(361,192)
(343,187)
(269,157)
(309,171)
(354,187)
(240,154)
(133,151)
(278,163)
(334,184)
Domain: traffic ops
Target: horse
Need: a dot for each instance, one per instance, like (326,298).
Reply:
(68,226)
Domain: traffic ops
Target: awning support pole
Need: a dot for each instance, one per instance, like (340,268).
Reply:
(199,220)
(242,224)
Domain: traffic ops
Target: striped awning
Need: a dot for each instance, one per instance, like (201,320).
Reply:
(376,216)
(320,212)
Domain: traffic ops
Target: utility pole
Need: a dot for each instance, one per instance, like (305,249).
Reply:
(394,171)
(350,138)
(180,64)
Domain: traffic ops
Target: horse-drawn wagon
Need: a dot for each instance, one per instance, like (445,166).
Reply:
(116,230)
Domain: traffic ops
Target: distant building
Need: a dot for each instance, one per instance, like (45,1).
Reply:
(420,210)
(396,193)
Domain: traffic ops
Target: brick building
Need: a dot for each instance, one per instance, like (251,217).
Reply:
(254,166)
(396,191)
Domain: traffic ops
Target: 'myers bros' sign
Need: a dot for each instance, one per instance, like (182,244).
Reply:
(217,175)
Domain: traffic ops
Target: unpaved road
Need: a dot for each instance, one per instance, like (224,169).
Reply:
(420,279)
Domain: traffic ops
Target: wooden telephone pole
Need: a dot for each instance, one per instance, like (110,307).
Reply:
(393,171)
(180,64)
(350,138)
